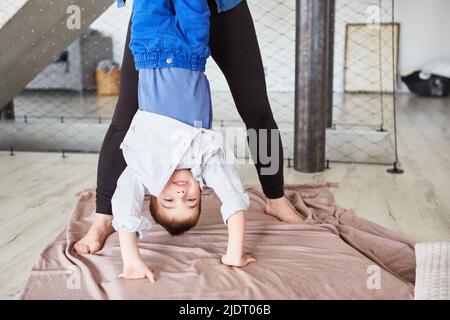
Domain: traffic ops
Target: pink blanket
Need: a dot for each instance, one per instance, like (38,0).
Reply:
(333,255)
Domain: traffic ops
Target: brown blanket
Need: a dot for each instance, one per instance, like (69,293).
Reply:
(333,255)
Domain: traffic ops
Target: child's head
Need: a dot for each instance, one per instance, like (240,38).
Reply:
(178,206)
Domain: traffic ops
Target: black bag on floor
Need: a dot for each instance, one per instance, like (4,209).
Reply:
(427,85)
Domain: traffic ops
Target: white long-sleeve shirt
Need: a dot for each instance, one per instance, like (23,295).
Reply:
(153,148)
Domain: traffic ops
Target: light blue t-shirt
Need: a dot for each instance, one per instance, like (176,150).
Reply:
(181,94)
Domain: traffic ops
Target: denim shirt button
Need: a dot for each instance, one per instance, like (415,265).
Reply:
(169,60)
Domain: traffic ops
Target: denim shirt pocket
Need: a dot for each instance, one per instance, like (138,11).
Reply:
(155,54)
(152,49)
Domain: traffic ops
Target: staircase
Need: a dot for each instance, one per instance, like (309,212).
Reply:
(34,33)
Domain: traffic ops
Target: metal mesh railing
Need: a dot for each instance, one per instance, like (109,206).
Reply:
(365,64)
(61,109)
(275,27)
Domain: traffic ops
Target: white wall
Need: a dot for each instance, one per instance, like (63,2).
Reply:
(424,35)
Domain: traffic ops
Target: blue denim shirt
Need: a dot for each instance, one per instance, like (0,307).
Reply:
(222,5)
(170,33)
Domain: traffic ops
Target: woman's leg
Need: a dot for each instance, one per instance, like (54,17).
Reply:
(111,162)
(235,49)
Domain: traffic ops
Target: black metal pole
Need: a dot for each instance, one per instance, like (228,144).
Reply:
(395,169)
(331,8)
(311,84)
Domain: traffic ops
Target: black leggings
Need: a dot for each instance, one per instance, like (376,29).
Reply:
(235,49)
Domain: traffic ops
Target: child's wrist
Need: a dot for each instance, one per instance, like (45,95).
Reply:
(130,259)
(233,254)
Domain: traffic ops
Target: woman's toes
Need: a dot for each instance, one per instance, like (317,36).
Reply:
(95,247)
(93,240)
(295,219)
(81,248)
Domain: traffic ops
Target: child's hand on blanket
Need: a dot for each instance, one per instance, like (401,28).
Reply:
(133,266)
(235,256)
(134,270)
(241,261)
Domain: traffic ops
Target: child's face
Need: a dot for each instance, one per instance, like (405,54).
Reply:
(181,195)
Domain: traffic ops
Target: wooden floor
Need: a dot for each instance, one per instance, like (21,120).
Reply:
(37,190)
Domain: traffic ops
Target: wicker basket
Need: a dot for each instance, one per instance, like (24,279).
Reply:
(108,82)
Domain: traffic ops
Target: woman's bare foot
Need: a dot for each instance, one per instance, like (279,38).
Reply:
(94,239)
(283,210)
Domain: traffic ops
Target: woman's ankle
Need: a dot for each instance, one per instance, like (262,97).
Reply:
(102,221)
(276,200)
(103,216)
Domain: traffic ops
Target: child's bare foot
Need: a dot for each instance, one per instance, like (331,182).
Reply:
(283,210)
(94,239)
